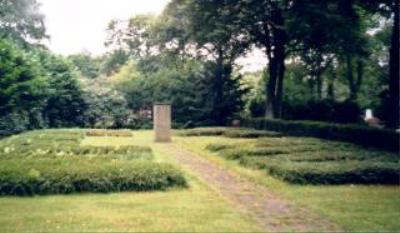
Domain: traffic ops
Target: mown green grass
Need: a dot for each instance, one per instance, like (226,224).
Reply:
(197,208)
(355,207)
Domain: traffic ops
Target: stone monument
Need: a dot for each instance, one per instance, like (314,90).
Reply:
(162,122)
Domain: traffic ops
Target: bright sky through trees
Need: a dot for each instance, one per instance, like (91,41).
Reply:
(77,25)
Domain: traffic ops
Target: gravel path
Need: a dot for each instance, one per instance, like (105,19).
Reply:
(273,213)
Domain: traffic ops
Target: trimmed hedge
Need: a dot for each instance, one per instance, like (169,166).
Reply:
(53,162)
(121,152)
(203,131)
(229,132)
(238,153)
(304,160)
(110,133)
(327,172)
(250,133)
(362,135)
(70,175)
(218,147)
(336,172)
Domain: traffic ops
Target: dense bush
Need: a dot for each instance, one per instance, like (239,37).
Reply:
(323,110)
(68,175)
(38,90)
(23,90)
(367,136)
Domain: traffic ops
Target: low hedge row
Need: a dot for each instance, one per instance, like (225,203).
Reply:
(54,162)
(110,133)
(314,161)
(203,131)
(323,172)
(218,147)
(250,133)
(362,135)
(229,132)
(336,173)
(69,175)
(238,153)
(41,151)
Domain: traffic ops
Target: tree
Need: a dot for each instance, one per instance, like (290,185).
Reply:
(210,30)
(106,107)
(86,64)
(20,20)
(23,89)
(391,9)
(65,105)
(394,100)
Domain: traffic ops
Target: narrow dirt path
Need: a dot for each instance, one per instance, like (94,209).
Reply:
(273,213)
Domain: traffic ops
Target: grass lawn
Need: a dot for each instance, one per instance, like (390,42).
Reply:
(355,207)
(197,208)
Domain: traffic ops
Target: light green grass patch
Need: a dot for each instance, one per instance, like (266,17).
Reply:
(355,207)
(197,209)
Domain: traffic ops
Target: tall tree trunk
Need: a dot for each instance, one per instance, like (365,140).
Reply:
(318,80)
(360,76)
(350,78)
(281,76)
(276,65)
(219,89)
(331,85)
(395,69)
(270,89)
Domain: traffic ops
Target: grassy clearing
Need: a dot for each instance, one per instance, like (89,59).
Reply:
(54,162)
(355,207)
(196,209)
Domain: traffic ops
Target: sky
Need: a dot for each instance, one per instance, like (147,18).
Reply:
(79,25)
(75,26)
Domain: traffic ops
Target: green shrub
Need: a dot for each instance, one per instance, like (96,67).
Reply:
(332,172)
(53,162)
(219,147)
(315,161)
(257,162)
(205,131)
(351,172)
(121,152)
(250,133)
(238,153)
(69,175)
(110,133)
(332,155)
(362,135)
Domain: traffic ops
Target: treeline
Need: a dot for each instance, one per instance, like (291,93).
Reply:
(325,60)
